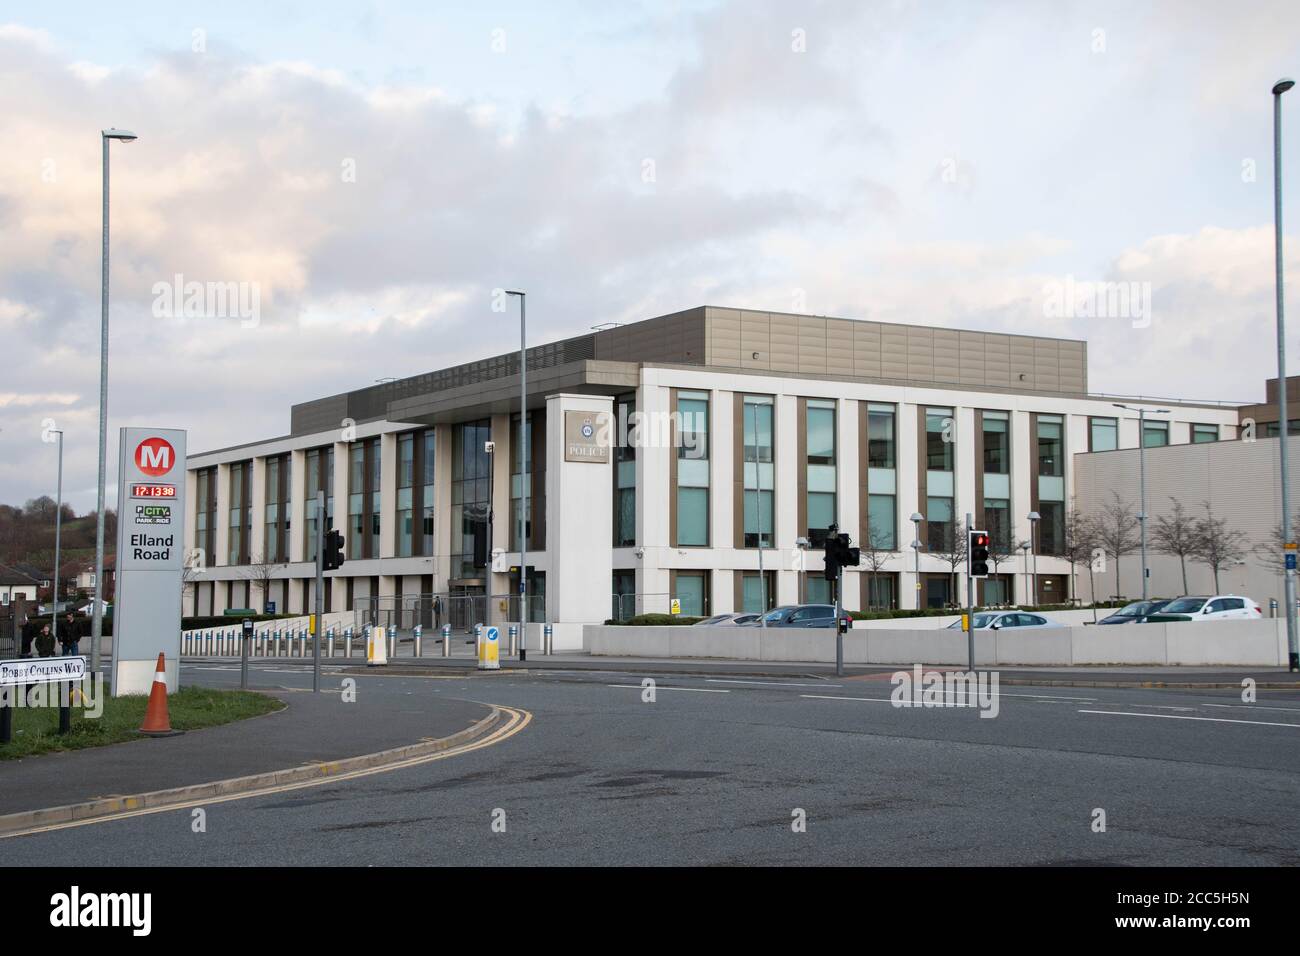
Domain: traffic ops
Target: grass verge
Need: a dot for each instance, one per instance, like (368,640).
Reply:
(36,729)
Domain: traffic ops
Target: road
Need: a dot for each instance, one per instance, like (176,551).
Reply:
(715,771)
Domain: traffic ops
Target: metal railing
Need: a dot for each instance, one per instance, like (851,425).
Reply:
(625,606)
(403,613)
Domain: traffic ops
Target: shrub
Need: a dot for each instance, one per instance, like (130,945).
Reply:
(656,620)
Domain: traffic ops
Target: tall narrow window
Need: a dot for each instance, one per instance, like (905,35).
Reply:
(363,498)
(940,440)
(469,499)
(756,423)
(320,477)
(693,469)
(1051,484)
(241,512)
(276,510)
(881,530)
(406,538)
(624,473)
(521,476)
(821,469)
(996,437)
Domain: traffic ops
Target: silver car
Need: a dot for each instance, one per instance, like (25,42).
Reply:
(997,620)
(727,620)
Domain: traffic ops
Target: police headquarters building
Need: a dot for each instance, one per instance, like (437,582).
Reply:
(667,459)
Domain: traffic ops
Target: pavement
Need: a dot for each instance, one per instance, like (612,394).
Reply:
(716,770)
(311,729)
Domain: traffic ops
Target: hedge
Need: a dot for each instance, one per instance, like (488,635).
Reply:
(656,620)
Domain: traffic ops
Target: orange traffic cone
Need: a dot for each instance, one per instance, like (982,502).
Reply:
(156,721)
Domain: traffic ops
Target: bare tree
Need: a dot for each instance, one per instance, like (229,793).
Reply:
(1270,553)
(1217,545)
(949,546)
(1175,534)
(1117,532)
(874,557)
(261,573)
(1080,533)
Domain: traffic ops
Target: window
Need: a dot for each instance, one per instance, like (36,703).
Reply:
(470,476)
(939,439)
(940,530)
(405,496)
(693,593)
(1051,445)
(1051,527)
(817,590)
(415,493)
(363,499)
(882,522)
(1104,434)
(997,443)
(820,421)
(205,514)
(624,475)
(693,470)
(521,472)
(997,522)
(1155,434)
(881,443)
(1292,428)
(756,421)
(753,598)
(1204,433)
(881,590)
(881,529)
(320,477)
(241,512)
(623,603)
(276,517)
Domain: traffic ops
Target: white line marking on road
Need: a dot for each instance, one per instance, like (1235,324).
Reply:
(882,700)
(697,690)
(1285,710)
(766,683)
(1041,698)
(1217,720)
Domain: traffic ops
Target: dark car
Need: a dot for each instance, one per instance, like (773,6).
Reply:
(1135,613)
(802,615)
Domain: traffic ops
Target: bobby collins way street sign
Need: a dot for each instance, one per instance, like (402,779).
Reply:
(41,670)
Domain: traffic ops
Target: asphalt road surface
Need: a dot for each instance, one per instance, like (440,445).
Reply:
(720,771)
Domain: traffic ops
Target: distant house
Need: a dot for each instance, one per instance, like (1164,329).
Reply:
(17,582)
(86,576)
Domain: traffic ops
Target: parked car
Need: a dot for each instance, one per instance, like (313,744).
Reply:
(802,615)
(727,620)
(1216,607)
(1135,613)
(997,620)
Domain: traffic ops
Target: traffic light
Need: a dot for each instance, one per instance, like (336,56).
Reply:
(978,548)
(839,554)
(333,550)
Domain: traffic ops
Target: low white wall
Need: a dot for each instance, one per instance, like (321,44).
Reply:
(1241,643)
(927,623)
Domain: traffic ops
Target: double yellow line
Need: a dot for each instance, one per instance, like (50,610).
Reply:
(516,720)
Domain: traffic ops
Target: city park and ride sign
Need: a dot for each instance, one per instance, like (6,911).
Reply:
(150,557)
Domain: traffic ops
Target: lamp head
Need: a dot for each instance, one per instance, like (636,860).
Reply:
(1282,85)
(125,135)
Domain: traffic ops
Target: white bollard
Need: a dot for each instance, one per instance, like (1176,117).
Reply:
(418,634)
(446,640)
(548,639)
(347,643)
(330,634)
(392,641)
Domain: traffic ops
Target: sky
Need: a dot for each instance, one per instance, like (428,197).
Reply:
(365,175)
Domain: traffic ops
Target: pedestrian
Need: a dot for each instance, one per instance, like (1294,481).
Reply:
(70,635)
(45,642)
(29,637)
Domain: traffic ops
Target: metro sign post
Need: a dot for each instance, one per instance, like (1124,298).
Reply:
(150,557)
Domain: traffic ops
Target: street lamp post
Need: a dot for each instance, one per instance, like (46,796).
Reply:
(1142,479)
(489,448)
(917,518)
(97,613)
(525,475)
(802,544)
(1034,517)
(58,528)
(1024,550)
(1288,540)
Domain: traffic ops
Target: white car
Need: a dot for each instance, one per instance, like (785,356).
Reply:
(1216,607)
(997,620)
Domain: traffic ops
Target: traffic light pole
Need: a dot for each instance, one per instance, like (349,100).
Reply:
(970,596)
(320,591)
(839,622)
